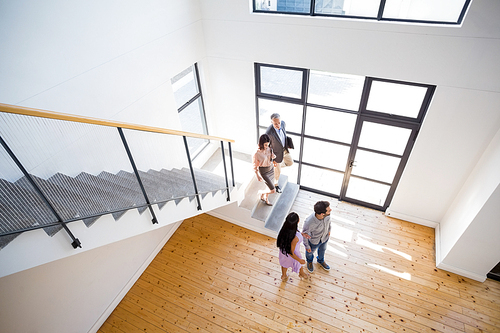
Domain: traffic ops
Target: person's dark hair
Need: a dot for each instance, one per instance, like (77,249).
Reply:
(275,115)
(263,139)
(321,206)
(287,233)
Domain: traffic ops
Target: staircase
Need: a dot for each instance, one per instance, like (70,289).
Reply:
(87,197)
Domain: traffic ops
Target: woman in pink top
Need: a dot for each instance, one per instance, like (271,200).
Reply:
(288,241)
(264,168)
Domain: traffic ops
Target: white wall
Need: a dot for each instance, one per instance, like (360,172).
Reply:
(71,294)
(470,228)
(104,59)
(456,131)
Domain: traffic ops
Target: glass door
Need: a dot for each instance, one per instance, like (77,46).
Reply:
(352,134)
(327,143)
(378,155)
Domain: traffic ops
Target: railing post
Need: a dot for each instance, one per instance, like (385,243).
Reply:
(76,242)
(125,144)
(192,172)
(225,169)
(231,161)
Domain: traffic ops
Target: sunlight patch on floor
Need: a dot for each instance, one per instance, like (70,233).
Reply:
(341,233)
(332,249)
(364,242)
(406,276)
(342,220)
(343,246)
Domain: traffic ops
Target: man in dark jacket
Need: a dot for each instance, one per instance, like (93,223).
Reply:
(277,134)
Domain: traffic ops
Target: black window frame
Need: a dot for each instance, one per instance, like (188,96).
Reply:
(363,114)
(379,17)
(192,100)
(423,107)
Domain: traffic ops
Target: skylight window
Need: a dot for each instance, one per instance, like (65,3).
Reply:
(412,11)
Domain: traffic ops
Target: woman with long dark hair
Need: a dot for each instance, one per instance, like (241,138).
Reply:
(288,241)
(263,167)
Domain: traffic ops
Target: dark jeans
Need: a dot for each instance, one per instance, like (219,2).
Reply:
(321,252)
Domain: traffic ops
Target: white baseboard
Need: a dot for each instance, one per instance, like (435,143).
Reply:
(413,219)
(133,279)
(461,272)
(449,268)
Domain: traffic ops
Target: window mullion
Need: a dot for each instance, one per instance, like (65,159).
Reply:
(381,10)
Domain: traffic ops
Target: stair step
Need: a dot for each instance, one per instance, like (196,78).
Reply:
(69,205)
(11,220)
(53,194)
(187,181)
(155,189)
(176,187)
(29,204)
(201,183)
(282,207)
(119,197)
(95,198)
(261,211)
(128,187)
(251,197)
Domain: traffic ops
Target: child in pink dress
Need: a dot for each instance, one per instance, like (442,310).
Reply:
(288,242)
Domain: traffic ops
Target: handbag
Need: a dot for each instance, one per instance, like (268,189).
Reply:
(289,142)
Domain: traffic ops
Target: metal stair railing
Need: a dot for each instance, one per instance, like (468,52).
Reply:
(59,168)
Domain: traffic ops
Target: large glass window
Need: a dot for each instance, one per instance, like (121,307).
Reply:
(396,98)
(418,11)
(293,79)
(189,100)
(352,134)
(335,90)
(293,114)
(331,125)
(361,8)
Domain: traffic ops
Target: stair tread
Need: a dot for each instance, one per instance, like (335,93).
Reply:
(68,205)
(261,211)
(282,207)
(19,197)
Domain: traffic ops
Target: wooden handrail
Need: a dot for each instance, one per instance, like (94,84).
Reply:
(96,121)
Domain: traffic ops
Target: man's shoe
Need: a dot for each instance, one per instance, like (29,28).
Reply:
(325,266)
(278,189)
(310,267)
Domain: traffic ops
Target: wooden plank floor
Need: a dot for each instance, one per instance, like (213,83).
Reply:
(214,276)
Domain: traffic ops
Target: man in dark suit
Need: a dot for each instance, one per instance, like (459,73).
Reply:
(277,134)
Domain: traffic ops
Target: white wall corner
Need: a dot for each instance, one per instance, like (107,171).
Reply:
(413,219)
(437,244)
(104,316)
(449,268)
